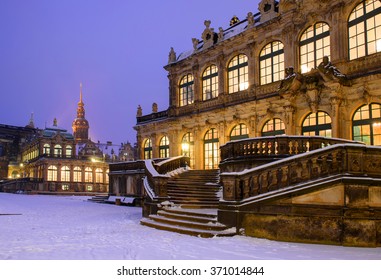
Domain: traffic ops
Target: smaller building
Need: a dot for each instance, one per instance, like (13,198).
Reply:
(53,158)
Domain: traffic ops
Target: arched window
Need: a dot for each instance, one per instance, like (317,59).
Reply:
(52,173)
(46,149)
(186,90)
(58,150)
(210,83)
(69,151)
(367,124)
(148,149)
(77,174)
(238,74)
(211,149)
(65,174)
(99,175)
(107,179)
(318,123)
(187,147)
(271,60)
(239,132)
(273,127)
(88,174)
(314,45)
(164,147)
(364,29)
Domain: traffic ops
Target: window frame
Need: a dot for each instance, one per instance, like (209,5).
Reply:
(241,69)
(272,56)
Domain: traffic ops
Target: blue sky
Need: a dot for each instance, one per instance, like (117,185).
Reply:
(116,48)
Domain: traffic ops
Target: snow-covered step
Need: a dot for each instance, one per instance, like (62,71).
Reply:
(186,230)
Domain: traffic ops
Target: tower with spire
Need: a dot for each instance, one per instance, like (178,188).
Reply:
(80,124)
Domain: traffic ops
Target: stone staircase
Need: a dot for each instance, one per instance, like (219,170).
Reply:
(194,197)
(100,198)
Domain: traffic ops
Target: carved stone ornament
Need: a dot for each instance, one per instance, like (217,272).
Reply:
(329,72)
(208,36)
(250,20)
(267,10)
(171,56)
(291,83)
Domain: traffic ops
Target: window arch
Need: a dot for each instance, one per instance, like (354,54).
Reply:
(164,147)
(319,123)
(273,127)
(364,29)
(211,149)
(187,147)
(314,45)
(186,90)
(99,175)
(88,174)
(366,124)
(210,83)
(148,149)
(240,131)
(238,74)
(65,173)
(58,150)
(46,149)
(271,63)
(77,174)
(52,173)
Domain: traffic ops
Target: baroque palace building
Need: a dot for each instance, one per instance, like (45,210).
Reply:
(55,160)
(297,67)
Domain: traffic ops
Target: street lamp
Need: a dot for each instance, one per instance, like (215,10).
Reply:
(185,148)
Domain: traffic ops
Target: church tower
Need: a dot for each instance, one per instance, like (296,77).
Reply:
(80,124)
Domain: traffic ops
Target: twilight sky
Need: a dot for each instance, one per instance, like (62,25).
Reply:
(116,48)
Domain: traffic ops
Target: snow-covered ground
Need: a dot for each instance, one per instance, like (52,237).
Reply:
(71,228)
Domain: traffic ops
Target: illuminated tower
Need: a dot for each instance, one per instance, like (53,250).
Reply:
(80,124)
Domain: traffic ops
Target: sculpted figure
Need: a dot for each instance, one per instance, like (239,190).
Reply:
(291,81)
(329,71)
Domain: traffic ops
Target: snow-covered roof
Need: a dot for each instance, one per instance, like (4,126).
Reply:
(228,33)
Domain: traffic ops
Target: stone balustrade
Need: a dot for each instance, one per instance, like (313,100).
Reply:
(338,159)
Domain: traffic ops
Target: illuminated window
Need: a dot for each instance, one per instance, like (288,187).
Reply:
(99,175)
(364,29)
(107,179)
(89,188)
(273,127)
(47,149)
(88,174)
(77,174)
(367,124)
(210,83)
(164,147)
(52,173)
(314,45)
(271,61)
(186,90)
(65,187)
(148,149)
(65,174)
(187,147)
(69,151)
(238,74)
(239,132)
(318,124)
(58,150)
(211,149)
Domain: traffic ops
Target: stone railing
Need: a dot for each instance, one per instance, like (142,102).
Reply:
(157,175)
(354,160)
(277,146)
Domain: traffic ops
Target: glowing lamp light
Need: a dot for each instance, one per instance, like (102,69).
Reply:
(243,86)
(304,68)
(185,148)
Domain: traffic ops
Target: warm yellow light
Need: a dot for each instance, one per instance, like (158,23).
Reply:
(304,68)
(378,45)
(377,124)
(243,86)
(21,164)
